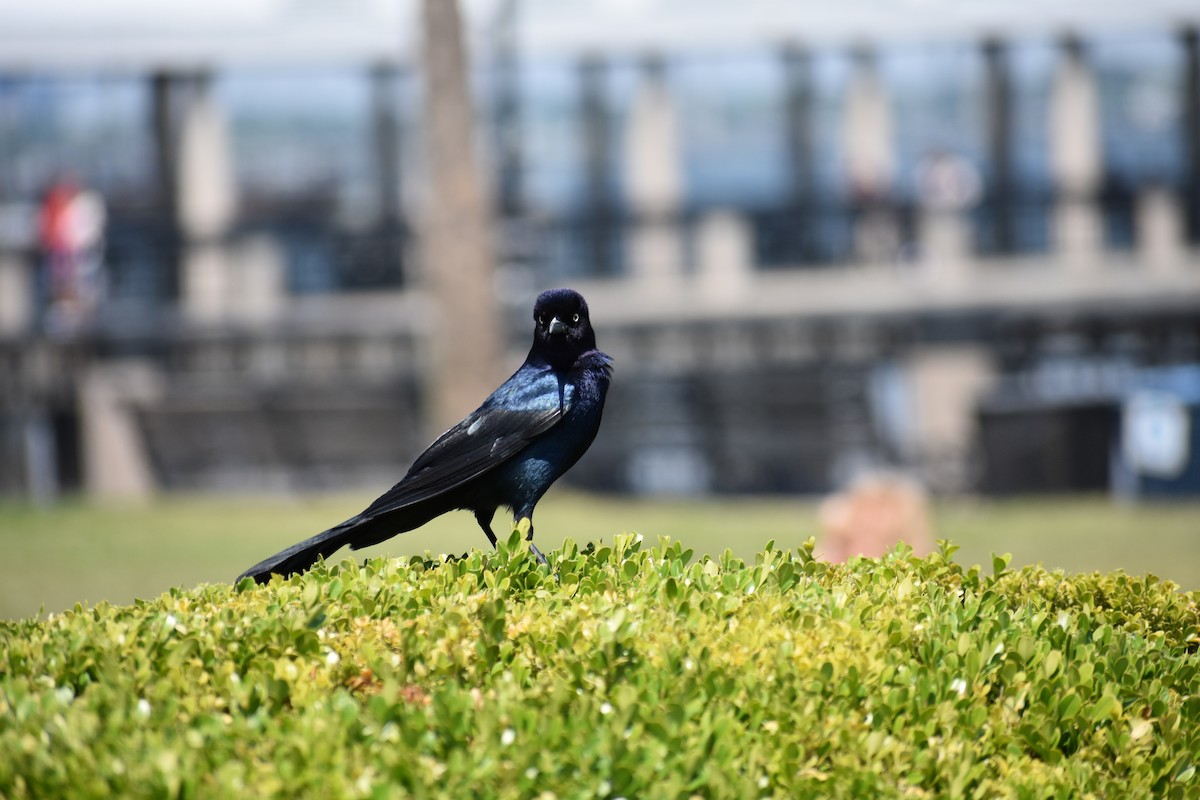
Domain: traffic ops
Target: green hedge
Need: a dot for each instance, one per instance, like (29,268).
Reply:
(626,672)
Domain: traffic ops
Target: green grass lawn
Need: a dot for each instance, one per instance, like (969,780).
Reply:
(77,552)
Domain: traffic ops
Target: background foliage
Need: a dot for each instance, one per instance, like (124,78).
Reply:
(79,552)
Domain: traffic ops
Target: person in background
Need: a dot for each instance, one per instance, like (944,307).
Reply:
(874,515)
(71,236)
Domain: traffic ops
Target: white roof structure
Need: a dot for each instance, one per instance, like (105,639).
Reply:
(572,25)
(149,34)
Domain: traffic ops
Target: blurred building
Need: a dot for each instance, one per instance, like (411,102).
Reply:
(891,234)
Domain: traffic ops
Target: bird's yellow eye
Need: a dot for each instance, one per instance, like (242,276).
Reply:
(575,318)
(542,320)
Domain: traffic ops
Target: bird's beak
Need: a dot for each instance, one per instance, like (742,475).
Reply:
(556,326)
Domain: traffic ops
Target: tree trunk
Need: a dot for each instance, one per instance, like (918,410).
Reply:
(458,254)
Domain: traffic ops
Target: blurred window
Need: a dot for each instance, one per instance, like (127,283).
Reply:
(937,106)
(729,107)
(1140,107)
(301,139)
(94,128)
(306,167)
(553,164)
(1140,94)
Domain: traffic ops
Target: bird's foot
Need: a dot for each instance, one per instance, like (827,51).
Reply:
(538,554)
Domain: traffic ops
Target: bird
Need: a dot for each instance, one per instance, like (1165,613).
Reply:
(507,452)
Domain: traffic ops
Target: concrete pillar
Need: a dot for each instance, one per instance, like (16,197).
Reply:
(115,462)
(243,281)
(946,252)
(868,154)
(1159,229)
(204,282)
(867,131)
(724,254)
(257,279)
(203,195)
(16,294)
(1075,159)
(654,181)
(1078,234)
(948,186)
(947,382)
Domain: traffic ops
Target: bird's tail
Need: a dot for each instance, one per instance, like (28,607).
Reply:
(300,557)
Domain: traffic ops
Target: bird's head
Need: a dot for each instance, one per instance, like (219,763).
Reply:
(562,330)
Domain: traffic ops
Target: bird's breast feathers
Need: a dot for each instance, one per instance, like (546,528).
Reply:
(532,389)
(540,388)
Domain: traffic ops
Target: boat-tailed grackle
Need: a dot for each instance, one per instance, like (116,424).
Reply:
(505,453)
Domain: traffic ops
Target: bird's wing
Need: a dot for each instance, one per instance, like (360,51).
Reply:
(530,403)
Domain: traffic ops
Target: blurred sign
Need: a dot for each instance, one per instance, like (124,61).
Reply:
(1156,433)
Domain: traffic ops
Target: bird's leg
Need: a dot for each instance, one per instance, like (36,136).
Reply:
(533,547)
(484,518)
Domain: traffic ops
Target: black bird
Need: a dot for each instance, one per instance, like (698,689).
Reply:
(506,453)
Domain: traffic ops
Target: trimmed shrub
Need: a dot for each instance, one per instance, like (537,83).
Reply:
(620,672)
